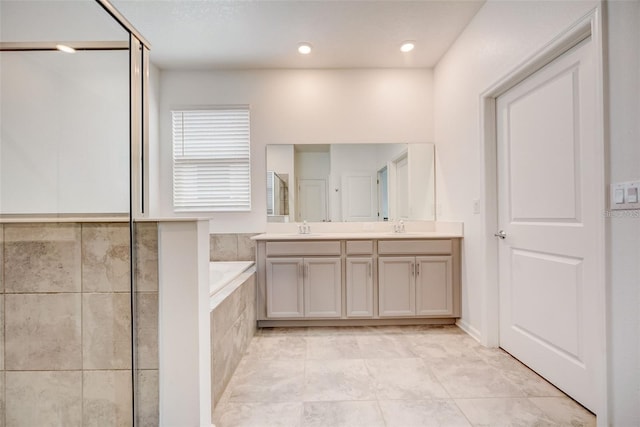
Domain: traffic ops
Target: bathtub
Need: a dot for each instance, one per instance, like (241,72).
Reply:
(225,277)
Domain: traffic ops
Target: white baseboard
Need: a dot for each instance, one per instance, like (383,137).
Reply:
(470,330)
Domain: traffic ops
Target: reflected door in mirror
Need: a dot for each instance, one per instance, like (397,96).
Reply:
(312,200)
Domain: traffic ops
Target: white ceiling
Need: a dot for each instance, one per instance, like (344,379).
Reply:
(234,34)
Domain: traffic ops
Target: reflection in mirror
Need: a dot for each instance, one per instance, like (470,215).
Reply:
(277,194)
(352,182)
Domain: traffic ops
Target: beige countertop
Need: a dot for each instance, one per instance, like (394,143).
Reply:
(359,236)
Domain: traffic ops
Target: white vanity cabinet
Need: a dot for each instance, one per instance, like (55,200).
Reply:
(285,287)
(303,287)
(411,286)
(359,278)
(396,286)
(416,285)
(322,287)
(357,281)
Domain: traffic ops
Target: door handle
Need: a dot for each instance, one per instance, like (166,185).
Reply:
(417,269)
(501,234)
(413,269)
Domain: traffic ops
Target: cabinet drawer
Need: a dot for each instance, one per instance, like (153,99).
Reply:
(360,247)
(417,247)
(303,248)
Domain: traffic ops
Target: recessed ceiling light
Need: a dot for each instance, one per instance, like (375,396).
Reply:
(65,48)
(407,46)
(304,48)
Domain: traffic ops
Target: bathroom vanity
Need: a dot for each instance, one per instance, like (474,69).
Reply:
(358,278)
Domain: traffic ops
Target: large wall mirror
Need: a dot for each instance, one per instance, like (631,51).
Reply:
(350,182)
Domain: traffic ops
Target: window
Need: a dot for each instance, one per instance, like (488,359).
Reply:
(211,160)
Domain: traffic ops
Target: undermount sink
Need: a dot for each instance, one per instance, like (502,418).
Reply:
(404,233)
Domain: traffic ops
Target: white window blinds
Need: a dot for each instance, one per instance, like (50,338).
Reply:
(211,160)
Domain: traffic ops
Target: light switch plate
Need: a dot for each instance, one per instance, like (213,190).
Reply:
(624,195)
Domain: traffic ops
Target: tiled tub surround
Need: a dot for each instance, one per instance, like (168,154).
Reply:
(233,325)
(232,247)
(66,324)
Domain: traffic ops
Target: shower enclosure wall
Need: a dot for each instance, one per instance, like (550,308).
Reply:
(78,262)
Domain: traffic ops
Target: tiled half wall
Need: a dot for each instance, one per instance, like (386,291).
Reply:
(233,324)
(65,324)
(232,247)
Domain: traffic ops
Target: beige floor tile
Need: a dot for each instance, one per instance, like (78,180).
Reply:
(268,381)
(415,376)
(333,347)
(343,414)
(444,346)
(525,379)
(278,347)
(564,411)
(282,331)
(338,380)
(342,330)
(273,414)
(495,412)
(404,379)
(471,379)
(422,413)
(382,346)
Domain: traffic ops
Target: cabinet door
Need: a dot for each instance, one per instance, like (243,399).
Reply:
(396,286)
(284,287)
(434,286)
(359,287)
(322,287)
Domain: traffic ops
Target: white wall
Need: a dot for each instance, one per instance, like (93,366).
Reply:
(298,107)
(623,84)
(65,132)
(502,35)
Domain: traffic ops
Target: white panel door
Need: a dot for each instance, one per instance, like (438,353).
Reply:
(359,287)
(547,149)
(285,287)
(322,287)
(359,197)
(312,200)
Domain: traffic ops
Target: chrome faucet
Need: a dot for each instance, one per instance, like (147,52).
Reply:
(304,228)
(398,227)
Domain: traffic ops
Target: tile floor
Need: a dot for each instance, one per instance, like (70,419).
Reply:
(387,376)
